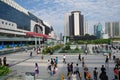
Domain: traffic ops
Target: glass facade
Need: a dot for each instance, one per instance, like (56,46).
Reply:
(11,14)
(23,21)
(98,30)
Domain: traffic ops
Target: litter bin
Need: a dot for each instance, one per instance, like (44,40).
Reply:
(29,76)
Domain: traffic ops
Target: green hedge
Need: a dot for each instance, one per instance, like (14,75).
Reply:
(48,49)
(4,70)
(97,41)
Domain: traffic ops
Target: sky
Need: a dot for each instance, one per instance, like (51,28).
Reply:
(53,11)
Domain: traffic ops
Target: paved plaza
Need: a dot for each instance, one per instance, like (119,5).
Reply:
(21,62)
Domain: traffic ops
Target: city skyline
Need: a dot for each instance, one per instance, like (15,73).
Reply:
(53,11)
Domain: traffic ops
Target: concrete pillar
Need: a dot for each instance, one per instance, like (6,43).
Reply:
(36,42)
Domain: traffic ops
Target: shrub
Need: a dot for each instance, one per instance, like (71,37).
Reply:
(4,70)
(67,47)
(76,48)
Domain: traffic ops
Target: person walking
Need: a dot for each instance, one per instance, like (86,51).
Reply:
(103,76)
(0,62)
(71,67)
(56,60)
(114,56)
(30,53)
(95,74)
(79,57)
(103,68)
(77,70)
(83,63)
(68,71)
(119,73)
(107,62)
(64,57)
(4,61)
(116,73)
(36,70)
(74,76)
(110,55)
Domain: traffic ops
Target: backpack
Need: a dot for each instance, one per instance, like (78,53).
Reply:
(88,75)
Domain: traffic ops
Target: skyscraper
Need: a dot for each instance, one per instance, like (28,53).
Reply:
(98,30)
(77,23)
(74,24)
(112,29)
(66,24)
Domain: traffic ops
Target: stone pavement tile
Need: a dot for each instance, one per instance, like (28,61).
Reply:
(28,65)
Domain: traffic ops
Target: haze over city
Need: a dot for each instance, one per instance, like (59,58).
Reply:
(53,11)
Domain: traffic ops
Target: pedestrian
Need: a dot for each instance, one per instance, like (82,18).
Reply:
(0,62)
(74,76)
(85,72)
(110,55)
(36,70)
(86,51)
(52,70)
(56,60)
(30,53)
(114,56)
(103,68)
(83,63)
(119,73)
(71,67)
(64,57)
(69,70)
(79,57)
(103,76)
(77,70)
(49,66)
(116,73)
(4,61)
(107,62)
(95,73)
(56,71)
(52,62)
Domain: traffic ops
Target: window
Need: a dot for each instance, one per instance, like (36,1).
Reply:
(6,23)
(12,24)
(9,24)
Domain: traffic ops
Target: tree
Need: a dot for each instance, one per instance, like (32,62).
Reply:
(87,34)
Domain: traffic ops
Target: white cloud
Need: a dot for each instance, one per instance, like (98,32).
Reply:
(94,11)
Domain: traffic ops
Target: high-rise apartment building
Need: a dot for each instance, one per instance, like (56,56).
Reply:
(98,30)
(85,27)
(112,29)
(74,24)
(66,24)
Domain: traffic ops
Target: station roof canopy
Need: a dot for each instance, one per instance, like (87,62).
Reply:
(34,34)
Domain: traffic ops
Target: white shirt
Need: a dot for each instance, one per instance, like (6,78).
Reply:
(64,57)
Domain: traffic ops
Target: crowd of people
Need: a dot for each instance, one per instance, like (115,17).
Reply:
(74,72)
(52,66)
